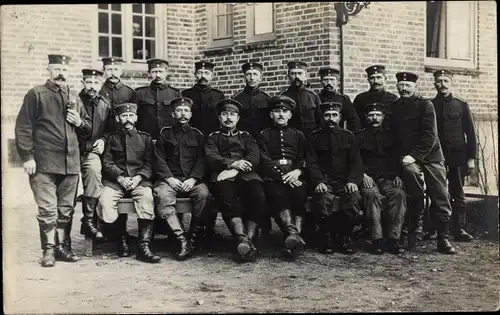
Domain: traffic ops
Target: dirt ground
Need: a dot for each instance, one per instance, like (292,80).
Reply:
(212,282)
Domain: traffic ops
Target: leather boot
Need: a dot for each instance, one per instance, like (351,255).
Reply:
(415,221)
(293,240)
(88,227)
(195,233)
(47,239)
(443,244)
(122,236)
(345,228)
(377,247)
(459,221)
(145,236)
(299,220)
(326,235)
(63,253)
(180,216)
(210,221)
(347,245)
(251,228)
(176,227)
(394,247)
(244,247)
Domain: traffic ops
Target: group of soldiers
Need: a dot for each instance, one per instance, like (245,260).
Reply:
(250,157)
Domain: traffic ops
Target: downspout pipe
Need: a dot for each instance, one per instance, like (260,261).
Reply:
(340,24)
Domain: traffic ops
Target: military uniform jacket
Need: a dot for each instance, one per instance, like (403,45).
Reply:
(307,115)
(455,129)
(374,96)
(127,153)
(100,113)
(332,157)
(223,148)
(282,149)
(118,93)
(153,108)
(348,112)
(255,114)
(43,134)
(204,108)
(376,146)
(414,127)
(179,153)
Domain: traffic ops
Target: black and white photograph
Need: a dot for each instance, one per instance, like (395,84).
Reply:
(250,157)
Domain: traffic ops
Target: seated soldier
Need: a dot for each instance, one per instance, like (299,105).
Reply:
(335,169)
(179,165)
(282,153)
(381,178)
(232,157)
(127,171)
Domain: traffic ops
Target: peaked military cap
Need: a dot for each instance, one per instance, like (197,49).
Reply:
(157,63)
(204,64)
(330,106)
(328,71)
(180,101)
(407,76)
(297,65)
(125,107)
(281,101)
(92,73)
(106,61)
(252,65)
(229,104)
(59,59)
(443,72)
(375,107)
(375,69)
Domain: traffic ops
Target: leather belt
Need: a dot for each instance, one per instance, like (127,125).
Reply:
(285,162)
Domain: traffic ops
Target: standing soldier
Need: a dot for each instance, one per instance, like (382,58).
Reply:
(414,127)
(179,164)
(377,93)
(153,101)
(458,141)
(126,166)
(330,80)
(100,113)
(47,130)
(381,178)
(335,170)
(232,158)
(283,162)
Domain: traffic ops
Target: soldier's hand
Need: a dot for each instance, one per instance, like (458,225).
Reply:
(29,167)
(73,117)
(471,166)
(398,183)
(242,165)
(291,176)
(321,188)
(174,183)
(188,184)
(295,183)
(351,188)
(408,159)
(136,180)
(124,182)
(368,181)
(227,174)
(98,146)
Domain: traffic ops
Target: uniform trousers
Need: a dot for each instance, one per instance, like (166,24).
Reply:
(281,196)
(91,175)
(142,196)
(166,198)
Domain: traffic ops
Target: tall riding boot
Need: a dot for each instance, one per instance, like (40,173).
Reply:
(299,220)
(180,216)
(415,221)
(195,232)
(419,231)
(67,233)
(443,244)
(345,231)
(48,239)
(251,228)
(459,221)
(326,235)
(209,223)
(63,253)
(293,240)
(88,227)
(185,247)
(144,252)
(244,246)
(122,236)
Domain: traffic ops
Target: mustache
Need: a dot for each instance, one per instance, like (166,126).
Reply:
(60,77)
(202,80)
(227,121)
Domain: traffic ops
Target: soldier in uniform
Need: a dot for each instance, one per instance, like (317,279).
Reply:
(232,158)
(458,141)
(47,130)
(414,127)
(329,80)
(377,78)
(91,148)
(282,153)
(126,166)
(179,164)
(381,178)
(335,170)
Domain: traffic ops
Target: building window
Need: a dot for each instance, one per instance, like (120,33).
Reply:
(451,34)
(110,30)
(220,24)
(261,22)
(143,31)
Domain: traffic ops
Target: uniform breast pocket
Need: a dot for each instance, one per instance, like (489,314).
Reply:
(170,147)
(192,147)
(453,120)
(116,147)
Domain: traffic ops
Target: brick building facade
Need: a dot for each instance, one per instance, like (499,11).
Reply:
(392,33)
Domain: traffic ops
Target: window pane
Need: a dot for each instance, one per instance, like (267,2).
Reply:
(150,8)
(138,49)
(103,46)
(433,28)
(263,18)
(137,25)
(116,7)
(137,8)
(102,6)
(459,15)
(116,24)
(103,23)
(116,47)
(150,49)
(221,26)
(221,8)
(150,27)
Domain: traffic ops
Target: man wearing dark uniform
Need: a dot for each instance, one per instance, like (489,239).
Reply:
(47,130)
(335,170)
(381,179)
(282,154)
(329,80)
(458,141)
(377,78)
(232,158)
(414,127)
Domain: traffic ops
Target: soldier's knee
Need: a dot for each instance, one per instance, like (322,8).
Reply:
(370,194)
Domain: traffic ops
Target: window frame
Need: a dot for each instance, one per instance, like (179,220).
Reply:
(250,26)
(211,19)
(447,62)
(127,36)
